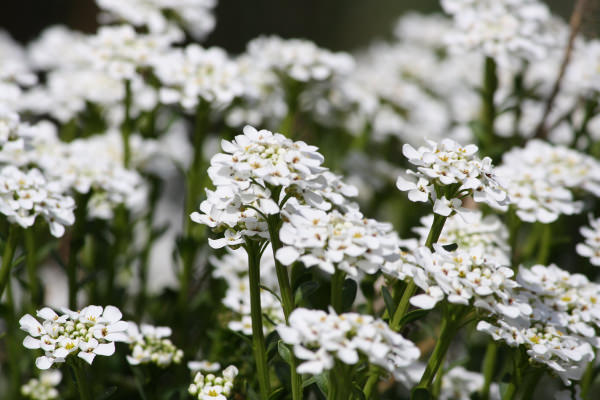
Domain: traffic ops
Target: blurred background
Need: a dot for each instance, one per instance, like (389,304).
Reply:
(334,24)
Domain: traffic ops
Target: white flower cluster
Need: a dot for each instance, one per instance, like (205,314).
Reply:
(300,60)
(26,195)
(334,240)
(590,248)
(567,301)
(192,74)
(481,236)
(566,355)
(503,29)
(87,333)
(211,387)
(233,268)
(467,278)
(195,16)
(93,164)
(254,168)
(150,344)
(44,387)
(14,69)
(204,365)
(561,329)
(540,178)
(319,338)
(447,172)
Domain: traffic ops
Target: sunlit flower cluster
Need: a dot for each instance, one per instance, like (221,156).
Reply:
(320,338)
(540,179)
(87,333)
(151,344)
(447,172)
(44,387)
(590,248)
(211,387)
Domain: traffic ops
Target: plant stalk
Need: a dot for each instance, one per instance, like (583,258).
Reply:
(7,257)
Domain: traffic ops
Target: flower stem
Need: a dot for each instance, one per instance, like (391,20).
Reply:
(75,246)
(490,85)
(374,372)
(545,244)
(126,127)
(31,265)
(7,257)
(450,324)
(83,386)
(511,391)
(287,299)
(489,364)
(337,283)
(194,186)
(258,339)
(434,234)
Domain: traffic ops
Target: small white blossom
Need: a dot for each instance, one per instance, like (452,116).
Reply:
(590,248)
(44,387)
(150,344)
(211,387)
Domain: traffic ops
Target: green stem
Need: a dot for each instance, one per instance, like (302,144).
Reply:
(374,373)
(450,324)
(193,190)
(126,127)
(337,284)
(490,85)
(7,257)
(83,386)
(31,265)
(511,391)
(434,234)
(258,339)
(545,244)
(287,299)
(14,355)
(122,237)
(531,382)
(587,379)
(75,246)
(489,364)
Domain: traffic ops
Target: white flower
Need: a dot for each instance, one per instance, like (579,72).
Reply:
(446,172)
(44,387)
(540,179)
(26,195)
(86,333)
(150,344)
(590,248)
(318,338)
(211,387)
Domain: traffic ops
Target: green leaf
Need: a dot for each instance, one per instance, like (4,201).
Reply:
(108,393)
(309,381)
(420,393)
(413,316)
(450,247)
(349,293)
(304,291)
(323,383)
(279,393)
(285,353)
(390,305)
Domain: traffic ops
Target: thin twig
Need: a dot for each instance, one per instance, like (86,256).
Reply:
(575,24)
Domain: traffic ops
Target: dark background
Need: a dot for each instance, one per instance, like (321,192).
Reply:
(335,24)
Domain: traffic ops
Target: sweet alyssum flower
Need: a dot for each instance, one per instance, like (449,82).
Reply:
(319,338)
(467,278)
(505,29)
(541,177)
(566,355)
(346,241)
(44,387)
(257,171)
(447,172)
(194,16)
(590,248)
(151,344)
(26,195)
(211,387)
(195,74)
(297,59)
(87,333)
(204,365)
